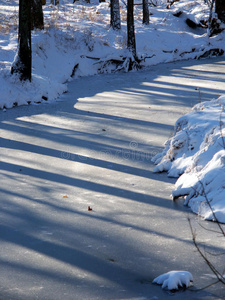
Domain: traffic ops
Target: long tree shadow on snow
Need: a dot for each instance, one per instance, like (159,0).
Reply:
(21,226)
(73,157)
(27,237)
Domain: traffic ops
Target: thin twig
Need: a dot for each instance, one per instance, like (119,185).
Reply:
(214,254)
(213,213)
(205,287)
(215,231)
(218,275)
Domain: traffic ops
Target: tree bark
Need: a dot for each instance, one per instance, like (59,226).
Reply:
(22,61)
(131,43)
(55,2)
(145,12)
(115,15)
(220,9)
(37,15)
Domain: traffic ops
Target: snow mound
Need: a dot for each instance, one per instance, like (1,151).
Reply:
(174,279)
(197,153)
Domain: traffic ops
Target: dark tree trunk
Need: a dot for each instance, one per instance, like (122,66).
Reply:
(37,15)
(22,61)
(131,43)
(115,15)
(145,12)
(220,9)
(43,2)
(55,2)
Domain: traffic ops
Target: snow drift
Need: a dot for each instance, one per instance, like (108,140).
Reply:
(197,153)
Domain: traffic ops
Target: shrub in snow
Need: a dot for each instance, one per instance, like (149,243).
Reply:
(197,153)
(174,279)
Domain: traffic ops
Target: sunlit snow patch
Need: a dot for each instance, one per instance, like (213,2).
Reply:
(174,279)
(196,154)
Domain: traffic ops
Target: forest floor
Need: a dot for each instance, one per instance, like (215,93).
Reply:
(77,41)
(82,214)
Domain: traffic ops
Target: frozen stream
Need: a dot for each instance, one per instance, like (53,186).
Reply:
(93,148)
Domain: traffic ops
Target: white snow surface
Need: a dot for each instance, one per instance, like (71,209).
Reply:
(174,279)
(79,35)
(197,151)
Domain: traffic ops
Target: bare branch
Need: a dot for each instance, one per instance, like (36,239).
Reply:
(215,231)
(213,213)
(218,275)
(205,287)
(215,254)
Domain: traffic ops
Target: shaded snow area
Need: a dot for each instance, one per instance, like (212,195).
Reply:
(82,215)
(78,41)
(197,153)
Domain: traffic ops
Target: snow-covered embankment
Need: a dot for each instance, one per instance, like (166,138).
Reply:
(196,153)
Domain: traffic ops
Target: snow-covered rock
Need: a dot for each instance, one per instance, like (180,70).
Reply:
(174,279)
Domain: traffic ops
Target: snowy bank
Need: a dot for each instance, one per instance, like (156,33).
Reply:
(78,41)
(197,153)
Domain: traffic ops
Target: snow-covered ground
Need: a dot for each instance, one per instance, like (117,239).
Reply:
(197,153)
(63,158)
(79,35)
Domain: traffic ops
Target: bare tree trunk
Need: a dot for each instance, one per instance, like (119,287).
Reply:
(131,43)
(145,12)
(37,15)
(115,15)
(22,61)
(55,2)
(220,9)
